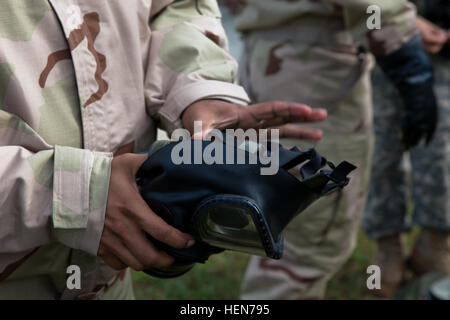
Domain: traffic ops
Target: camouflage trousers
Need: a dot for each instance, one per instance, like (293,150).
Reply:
(44,278)
(320,239)
(386,212)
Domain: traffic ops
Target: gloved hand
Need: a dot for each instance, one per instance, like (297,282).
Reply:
(411,71)
(421,114)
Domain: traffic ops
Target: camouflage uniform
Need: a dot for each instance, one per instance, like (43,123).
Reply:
(388,196)
(307,51)
(79,81)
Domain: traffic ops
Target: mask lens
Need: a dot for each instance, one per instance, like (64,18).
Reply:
(229,225)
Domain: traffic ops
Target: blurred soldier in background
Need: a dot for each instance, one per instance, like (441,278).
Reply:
(312,51)
(388,202)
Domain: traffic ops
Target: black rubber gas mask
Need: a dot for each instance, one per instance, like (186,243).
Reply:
(230,204)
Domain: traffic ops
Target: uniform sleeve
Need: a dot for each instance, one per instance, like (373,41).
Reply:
(188,61)
(48,194)
(398,24)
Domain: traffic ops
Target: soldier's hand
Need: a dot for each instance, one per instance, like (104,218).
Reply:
(434,38)
(421,114)
(128,217)
(218,114)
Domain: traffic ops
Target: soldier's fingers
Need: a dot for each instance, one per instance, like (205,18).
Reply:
(315,116)
(146,252)
(124,254)
(252,115)
(113,262)
(151,223)
(433,48)
(114,245)
(161,259)
(277,113)
(439,36)
(318,115)
(299,132)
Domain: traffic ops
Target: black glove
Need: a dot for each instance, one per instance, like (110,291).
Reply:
(411,71)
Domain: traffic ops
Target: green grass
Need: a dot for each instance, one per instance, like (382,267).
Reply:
(221,276)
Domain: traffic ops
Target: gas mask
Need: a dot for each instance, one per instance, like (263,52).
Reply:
(229,204)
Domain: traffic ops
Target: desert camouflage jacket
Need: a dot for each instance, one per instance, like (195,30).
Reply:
(317,19)
(79,81)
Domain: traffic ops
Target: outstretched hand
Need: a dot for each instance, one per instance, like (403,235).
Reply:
(218,114)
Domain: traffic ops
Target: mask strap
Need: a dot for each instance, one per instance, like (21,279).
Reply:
(338,176)
(293,157)
(315,164)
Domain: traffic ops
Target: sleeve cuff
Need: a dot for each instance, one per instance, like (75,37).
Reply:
(80,192)
(178,101)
